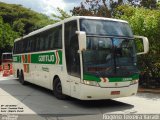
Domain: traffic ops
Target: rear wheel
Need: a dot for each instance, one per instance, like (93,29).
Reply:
(17,73)
(57,86)
(21,78)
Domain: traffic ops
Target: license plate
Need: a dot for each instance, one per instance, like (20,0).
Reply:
(115,92)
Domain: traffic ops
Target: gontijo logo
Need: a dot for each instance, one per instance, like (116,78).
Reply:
(46,58)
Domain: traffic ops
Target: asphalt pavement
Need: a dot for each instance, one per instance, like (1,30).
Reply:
(36,103)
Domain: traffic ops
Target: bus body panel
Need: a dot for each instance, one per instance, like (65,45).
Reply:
(97,93)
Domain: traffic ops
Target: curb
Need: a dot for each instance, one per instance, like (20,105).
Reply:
(145,90)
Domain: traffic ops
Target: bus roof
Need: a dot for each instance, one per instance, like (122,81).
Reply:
(66,20)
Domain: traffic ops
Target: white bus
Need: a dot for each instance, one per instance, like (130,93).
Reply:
(88,58)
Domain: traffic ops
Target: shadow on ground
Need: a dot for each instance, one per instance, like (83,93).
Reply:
(42,101)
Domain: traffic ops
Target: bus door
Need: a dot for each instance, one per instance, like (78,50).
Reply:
(72,57)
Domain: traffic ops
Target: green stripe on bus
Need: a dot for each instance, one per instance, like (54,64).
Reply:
(41,58)
(60,56)
(44,58)
(122,79)
(91,78)
(111,79)
(17,59)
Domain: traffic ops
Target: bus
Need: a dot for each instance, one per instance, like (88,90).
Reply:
(6,61)
(88,58)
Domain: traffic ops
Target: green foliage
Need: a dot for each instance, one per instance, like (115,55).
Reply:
(22,19)
(152,4)
(145,22)
(101,8)
(7,35)
(16,21)
(92,8)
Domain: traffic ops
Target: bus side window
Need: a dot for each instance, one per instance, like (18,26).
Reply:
(37,43)
(33,44)
(29,42)
(17,47)
(56,34)
(58,37)
(46,41)
(25,43)
(42,42)
(50,38)
(21,47)
(14,49)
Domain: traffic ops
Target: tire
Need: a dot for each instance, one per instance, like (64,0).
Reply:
(57,89)
(21,78)
(17,73)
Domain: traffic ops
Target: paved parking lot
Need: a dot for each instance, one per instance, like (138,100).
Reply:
(35,102)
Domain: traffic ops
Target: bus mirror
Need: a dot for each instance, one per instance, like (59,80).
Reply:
(142,44)
(82,40)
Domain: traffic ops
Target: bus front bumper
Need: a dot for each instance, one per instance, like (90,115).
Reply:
(97,93)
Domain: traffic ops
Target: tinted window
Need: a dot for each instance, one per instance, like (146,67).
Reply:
(41,43)
(47,40)
(71,49)
(105,27)
(33,44)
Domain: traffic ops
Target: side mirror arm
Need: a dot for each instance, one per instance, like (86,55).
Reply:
(145,44)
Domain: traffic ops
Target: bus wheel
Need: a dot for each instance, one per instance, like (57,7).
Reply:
(21,78)
(58,89)
(17,73)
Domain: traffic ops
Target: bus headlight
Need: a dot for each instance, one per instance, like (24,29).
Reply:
(134,82)
(92,83)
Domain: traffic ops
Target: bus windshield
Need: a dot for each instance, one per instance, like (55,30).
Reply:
(110,49)
(110,57)
(105,27)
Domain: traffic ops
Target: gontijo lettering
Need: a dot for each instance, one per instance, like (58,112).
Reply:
(46,58)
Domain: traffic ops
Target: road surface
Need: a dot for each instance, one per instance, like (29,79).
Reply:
(34,102)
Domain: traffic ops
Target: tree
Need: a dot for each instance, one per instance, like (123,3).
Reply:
(7,37)
(92,8)
(152,4)
(16,21)
(22,19)
(145,22)
(103,8)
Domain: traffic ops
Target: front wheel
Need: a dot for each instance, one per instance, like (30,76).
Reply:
(57,86)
